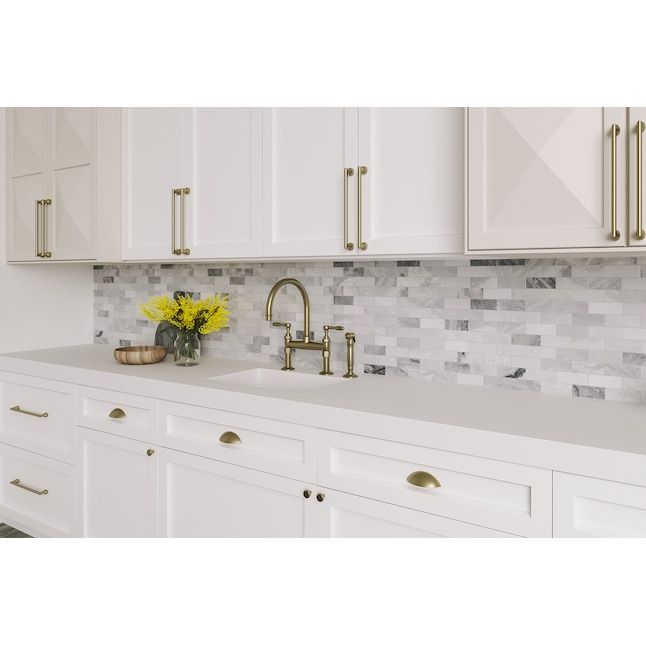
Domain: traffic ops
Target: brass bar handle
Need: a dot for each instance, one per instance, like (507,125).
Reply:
(173,222)
(349,246)
(39,204)
(117,413)
(183,249)
(614,132)
(44,253)
(26,487)
(230,438)
(17,409)
(362,170)
(423,479)
(641,234)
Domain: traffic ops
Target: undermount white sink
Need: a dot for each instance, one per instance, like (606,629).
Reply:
(277,379)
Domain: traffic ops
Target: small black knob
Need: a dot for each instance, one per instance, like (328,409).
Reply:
(320,497)
(307,493)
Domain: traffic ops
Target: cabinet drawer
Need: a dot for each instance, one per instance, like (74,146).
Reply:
(118,413)
(490,493)
(38,492)
(593,507)
(38,415)
(264,444)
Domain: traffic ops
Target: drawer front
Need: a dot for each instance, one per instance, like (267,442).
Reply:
(38,492)
(118,413)
(499,495)
(38,415)
(342,515)
(267,445)
(586,507)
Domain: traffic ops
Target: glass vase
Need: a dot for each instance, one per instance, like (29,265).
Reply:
(187,348)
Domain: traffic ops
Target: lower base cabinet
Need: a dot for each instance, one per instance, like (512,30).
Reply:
(342,515)
(119,486)
(203,497)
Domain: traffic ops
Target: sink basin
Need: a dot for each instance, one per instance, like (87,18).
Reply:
(277,379)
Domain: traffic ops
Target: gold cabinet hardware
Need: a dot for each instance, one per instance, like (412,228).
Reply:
(40,233)
(37,251)
(26,487)
(288,338)
(307,493)
(326,347)
(349,246)
(423,479)
(45,253)
(230,438)
(117,413)
(641,234)
(150,452)
(17,409)
(614,133)
(173,221)
(320,497)
(363,170)
(183,249)
(349,344)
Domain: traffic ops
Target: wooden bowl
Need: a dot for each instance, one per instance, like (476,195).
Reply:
(138,355)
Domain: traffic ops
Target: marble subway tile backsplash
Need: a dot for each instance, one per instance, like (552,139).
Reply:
(568,326)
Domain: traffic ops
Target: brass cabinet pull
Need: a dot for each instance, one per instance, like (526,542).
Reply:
(641,234)
(320,497)
(363,170)
(117,413)
(39,204)
(307,493)
(173,221)
(17,409)
(26,487)
(423,479)
(45,253)
(185,251)
(150,452)
(614,132)
(230,438)
(349,246)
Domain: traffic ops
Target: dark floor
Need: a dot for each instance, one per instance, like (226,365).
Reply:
(10,532)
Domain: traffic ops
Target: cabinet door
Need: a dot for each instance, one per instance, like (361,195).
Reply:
(342,515)
(540,178)
(413,191)
(120,486)
(27,137)
(305,152)
(71,218)
(636,133)
(223,173)
(207,498)
(153,165)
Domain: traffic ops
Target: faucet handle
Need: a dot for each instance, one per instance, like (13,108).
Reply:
(279,324)
(333,327)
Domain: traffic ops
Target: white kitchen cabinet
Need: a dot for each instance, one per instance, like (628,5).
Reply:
(406,164)
(119,486)
(342,515)
(51,184)
(203,165)
(413,190)
(207,498)
(542,178)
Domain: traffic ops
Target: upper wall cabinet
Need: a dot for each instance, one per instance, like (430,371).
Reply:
(191,183)
(548,178)
(347,181)
(51,184)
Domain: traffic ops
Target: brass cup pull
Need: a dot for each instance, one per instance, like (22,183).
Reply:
(423,479)
(641,234)
(349,246)
(230,438)
(17,409)
(363,170)
(320,497)
(614,133)
(150,452)
(117,413)
(26,487)
(307,493)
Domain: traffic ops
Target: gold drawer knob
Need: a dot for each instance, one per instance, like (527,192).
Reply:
(320,497)
(307,493)
(150,452)
(423,479)
(230,438)
(117,413)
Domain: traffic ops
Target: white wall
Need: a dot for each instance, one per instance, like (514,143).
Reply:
(41,306)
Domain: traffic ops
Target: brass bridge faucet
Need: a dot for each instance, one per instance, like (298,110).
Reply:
(306,344)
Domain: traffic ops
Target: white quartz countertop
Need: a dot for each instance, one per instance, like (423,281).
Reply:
(584,422)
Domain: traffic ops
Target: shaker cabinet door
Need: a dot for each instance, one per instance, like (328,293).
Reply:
(546,178)
(153,166)
(305,153)
(413,187)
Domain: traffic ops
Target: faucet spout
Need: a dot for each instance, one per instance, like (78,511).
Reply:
(306,303)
